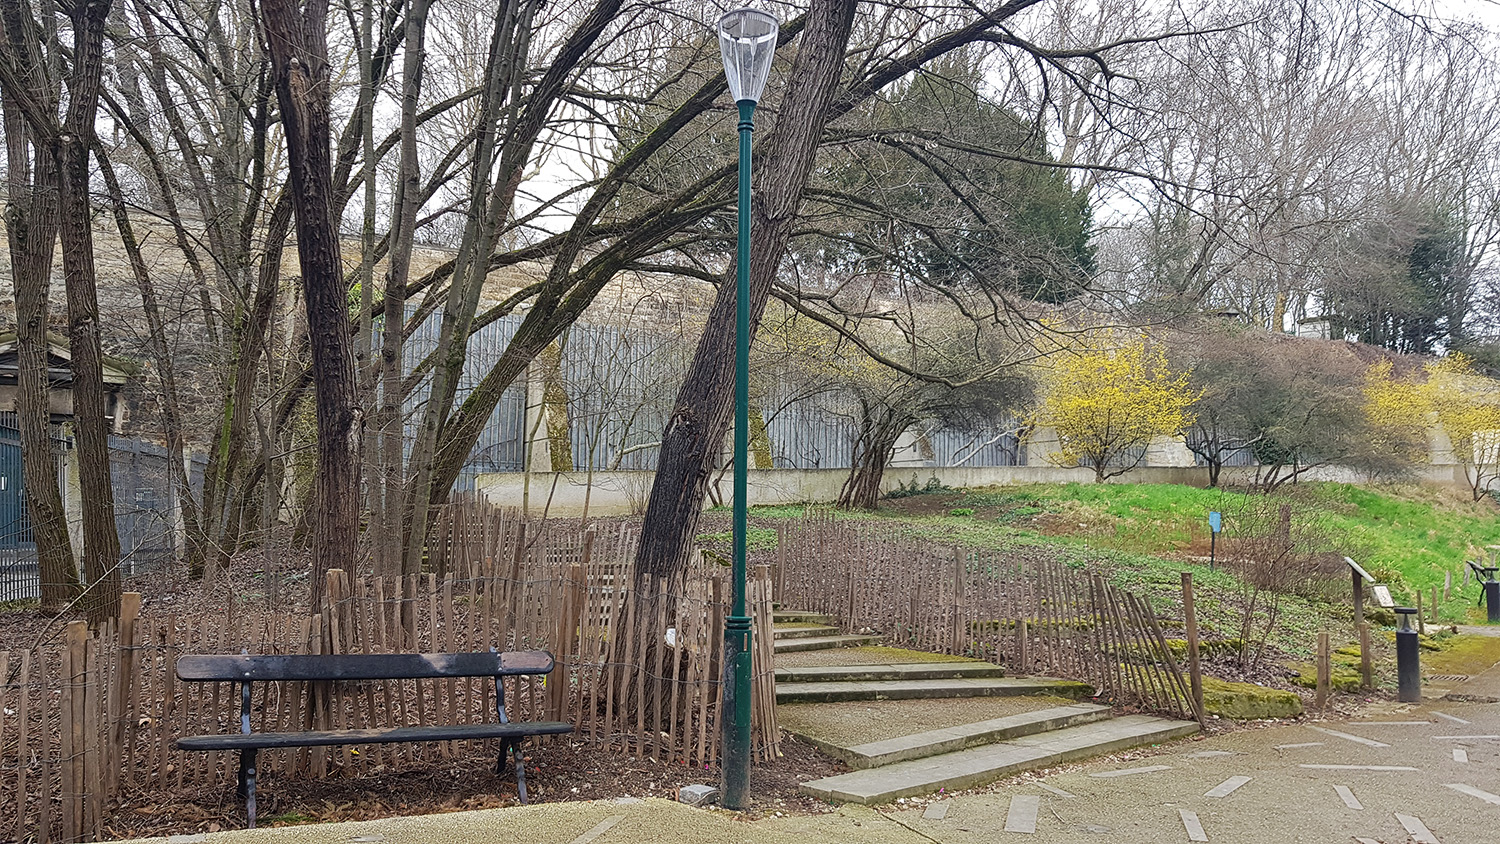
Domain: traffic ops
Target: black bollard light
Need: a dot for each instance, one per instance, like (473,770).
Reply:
(1408,659)
(1491,595)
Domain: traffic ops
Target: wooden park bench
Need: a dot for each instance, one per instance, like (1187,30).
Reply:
(247,669)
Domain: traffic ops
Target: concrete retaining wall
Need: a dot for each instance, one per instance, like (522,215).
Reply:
(620,493)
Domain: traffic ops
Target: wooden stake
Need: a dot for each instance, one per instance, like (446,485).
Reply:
(1366,665)
(5,705)
(1325,671)
(130,611)
(1190,626)
(23,756)
(73,727)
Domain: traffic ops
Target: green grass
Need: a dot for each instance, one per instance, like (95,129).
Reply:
(288,819)
(756,538)
(1145,534)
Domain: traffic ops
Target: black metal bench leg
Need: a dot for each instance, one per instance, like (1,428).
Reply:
(246,789)
(515,749)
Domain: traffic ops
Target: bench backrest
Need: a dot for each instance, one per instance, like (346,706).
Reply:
(272,667)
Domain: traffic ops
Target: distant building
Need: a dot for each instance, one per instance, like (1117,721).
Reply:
(1314,328)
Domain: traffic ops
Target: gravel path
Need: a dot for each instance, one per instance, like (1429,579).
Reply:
(1279,785)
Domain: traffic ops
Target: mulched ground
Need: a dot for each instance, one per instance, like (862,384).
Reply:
(556,773)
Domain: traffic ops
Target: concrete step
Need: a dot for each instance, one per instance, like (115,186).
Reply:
(943,688)
(782,646)
(979,765)
(780,616)
(935,742)
(801,632)
(897,671)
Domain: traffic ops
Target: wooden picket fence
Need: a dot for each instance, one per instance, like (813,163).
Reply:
(94,716)
(1031,616)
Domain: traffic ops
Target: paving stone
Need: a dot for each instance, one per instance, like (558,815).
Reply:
(1418,831)
(1466,738)
(1460,755)
(1474,792)
(1055,791)
(936,811)
(1299,744)
(1022,814)
(928,689)
(980,765)
(1454,718)
(1227,787)
(1129,772)
(1348,737)
(1348,797)
(1191,823)
(599,829)
(1358,767)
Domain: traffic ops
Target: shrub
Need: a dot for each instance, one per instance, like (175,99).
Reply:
(933,485)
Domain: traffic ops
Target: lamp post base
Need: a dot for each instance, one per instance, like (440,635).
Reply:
(735,716)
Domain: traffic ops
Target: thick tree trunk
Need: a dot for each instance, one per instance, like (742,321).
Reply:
(101,543)
(872,453)
(31,230)
(700,418)
(299,58)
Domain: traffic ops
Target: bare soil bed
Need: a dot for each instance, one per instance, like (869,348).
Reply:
(561,771)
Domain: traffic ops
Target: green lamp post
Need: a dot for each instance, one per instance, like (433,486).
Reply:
(747,40)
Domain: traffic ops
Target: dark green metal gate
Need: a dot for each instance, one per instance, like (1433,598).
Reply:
(18,571)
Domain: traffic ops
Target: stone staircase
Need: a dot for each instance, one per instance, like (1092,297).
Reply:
(962,755)
(807,631)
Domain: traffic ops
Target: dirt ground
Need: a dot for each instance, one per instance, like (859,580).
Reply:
(563,771)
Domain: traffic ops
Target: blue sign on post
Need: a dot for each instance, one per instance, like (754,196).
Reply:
(1215,524)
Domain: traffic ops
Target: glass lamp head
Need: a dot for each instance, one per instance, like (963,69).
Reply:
(747,40)
(1403,619)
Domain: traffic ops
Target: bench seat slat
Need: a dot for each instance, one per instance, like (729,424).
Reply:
(310,667)
(387,735)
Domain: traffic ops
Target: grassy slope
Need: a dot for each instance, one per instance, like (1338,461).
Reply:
(1407,536)
(1145,534)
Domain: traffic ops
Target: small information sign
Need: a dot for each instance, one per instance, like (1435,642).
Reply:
(1383,595)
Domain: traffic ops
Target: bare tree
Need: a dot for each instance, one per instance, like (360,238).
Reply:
(68,141)
(31,230)
(299,57)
